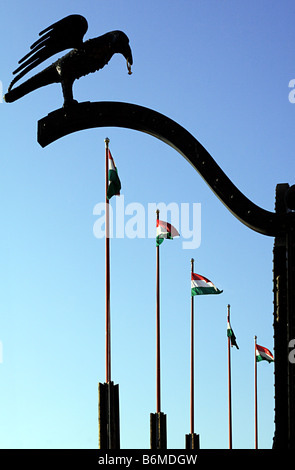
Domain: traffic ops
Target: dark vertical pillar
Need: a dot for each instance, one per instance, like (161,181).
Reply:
(291,334)
(192,441)
(158,431)
(102,417)
(283,278)
(108,416)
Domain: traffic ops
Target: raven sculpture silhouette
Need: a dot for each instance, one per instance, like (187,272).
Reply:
(85,57)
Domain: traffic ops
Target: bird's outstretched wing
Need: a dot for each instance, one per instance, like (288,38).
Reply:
(64,34)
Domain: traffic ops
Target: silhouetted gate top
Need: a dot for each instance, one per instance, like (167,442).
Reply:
(88,115)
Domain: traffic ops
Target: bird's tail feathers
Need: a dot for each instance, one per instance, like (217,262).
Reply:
(43,78)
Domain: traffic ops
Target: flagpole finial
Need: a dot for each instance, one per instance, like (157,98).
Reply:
(157,212)
(107,140)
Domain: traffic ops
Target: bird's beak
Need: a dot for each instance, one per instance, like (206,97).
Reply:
(129,59)
(129,67)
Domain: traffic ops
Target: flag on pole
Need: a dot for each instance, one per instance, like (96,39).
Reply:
(231,335)
(263,354)
(200,285)
(114,181)
(165,230)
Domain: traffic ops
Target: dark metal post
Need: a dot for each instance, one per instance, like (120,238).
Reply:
(108,416)
(280,327)
(192,441)
(284,322)
(158,431)
(291,334)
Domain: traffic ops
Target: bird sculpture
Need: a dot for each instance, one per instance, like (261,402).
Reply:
(84,58)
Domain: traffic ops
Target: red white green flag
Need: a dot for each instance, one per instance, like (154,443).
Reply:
(263,354)
(231,335)
(200,285)
(165,230)
(114,185)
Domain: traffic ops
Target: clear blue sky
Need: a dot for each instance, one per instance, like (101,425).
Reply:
(221,70)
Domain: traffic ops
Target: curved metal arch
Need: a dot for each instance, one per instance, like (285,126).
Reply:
(88,115)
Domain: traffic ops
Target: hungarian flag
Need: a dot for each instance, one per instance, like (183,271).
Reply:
(231,335)
(263,354)
(114,185)
(165,230)
(200,285)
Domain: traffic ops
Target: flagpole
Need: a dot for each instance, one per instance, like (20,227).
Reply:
(229,384)
(256,423)
(158,379)
(192,407)
(107,267)
(192,440)
(158,423)
(108,393)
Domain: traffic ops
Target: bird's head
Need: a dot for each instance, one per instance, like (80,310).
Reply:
(120,43)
